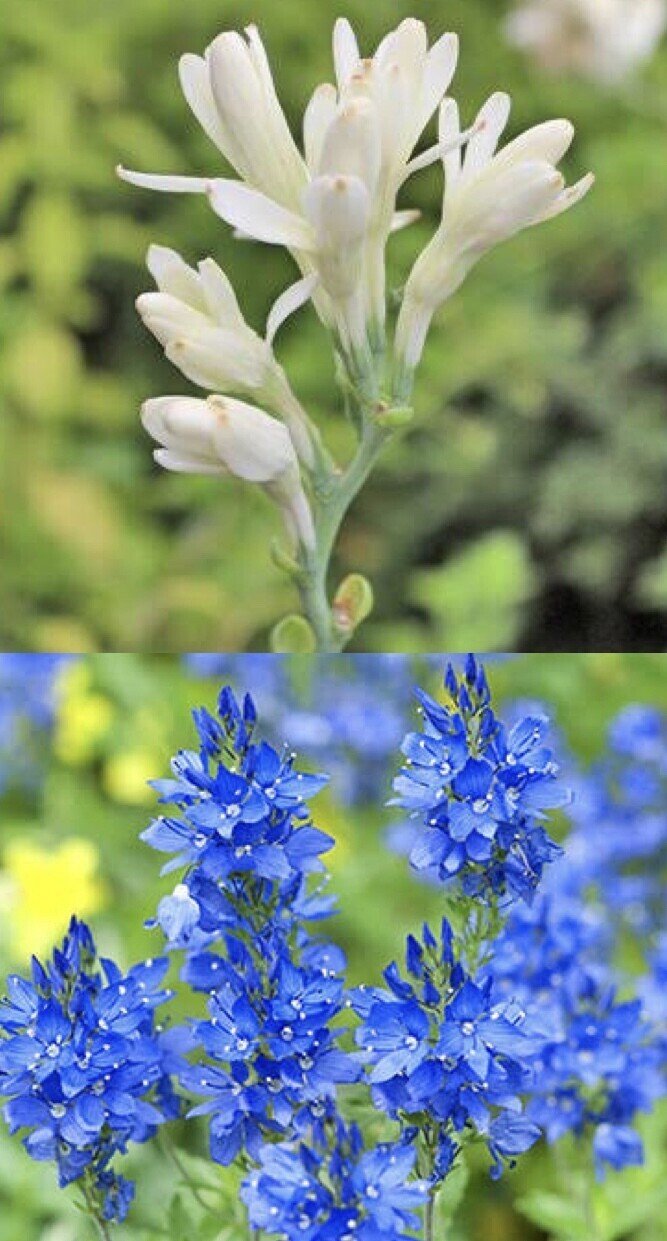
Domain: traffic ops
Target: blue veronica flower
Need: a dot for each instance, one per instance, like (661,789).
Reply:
(28,699)
(273,1058)
(600,1062)
(480,790)
(268,1059)
(323,1194)
(440,1044)
(242,805)
(619,822)
(350,713)
(83,1065)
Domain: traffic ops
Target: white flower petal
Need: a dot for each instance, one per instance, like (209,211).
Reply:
(319,114)
(181,423)
(406,46)
(252,445)
(288,303)
(165,183)
(490,123)
(219,296)
(570,196)
(352,143)
(173,275)
(550,141)
(177,463)
(338,208)
(196,86)
(403,219)
(345,52)
(167,316)
(258,216)
(449,132)
(440,68)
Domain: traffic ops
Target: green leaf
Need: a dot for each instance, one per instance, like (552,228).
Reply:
(450,1197)
(476,599)
(293,636)
(557,1215)
(353,603)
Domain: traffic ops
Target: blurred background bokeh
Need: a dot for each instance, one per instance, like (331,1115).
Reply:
(79,738)
(527,509)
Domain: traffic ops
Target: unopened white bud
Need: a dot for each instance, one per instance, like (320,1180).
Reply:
(224,436)
(489,197)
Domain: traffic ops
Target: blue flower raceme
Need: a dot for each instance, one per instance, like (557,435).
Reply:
(334,1190)
(600,1061)
(83,1065)
(269,1061)
(241,805)
(351,713)
(620,822)
(439,1043)
(480,791)
(28,695)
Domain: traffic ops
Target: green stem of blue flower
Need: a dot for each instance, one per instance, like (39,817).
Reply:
(168,1151)
(101,1224)
(335,495)
(429,1216)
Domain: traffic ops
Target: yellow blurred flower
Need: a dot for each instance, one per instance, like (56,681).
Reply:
(331,818)
(84,717)
(43,887)
(126,775)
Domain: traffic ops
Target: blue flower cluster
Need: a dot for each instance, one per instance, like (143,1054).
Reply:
(333,1190)
(27,705)
(271,1061)
(83,1065)
(437,1044)
(620,842)
(480,791)
(348,711)
(600,1062)
(241,806)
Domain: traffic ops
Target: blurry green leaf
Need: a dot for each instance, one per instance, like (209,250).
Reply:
(450,1197)
(293,636)
(54,244)
(651,590)
(557,1215)
(43,370)
(475,599)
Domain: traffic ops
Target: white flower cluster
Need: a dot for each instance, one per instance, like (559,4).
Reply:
(334,207)
(600,39)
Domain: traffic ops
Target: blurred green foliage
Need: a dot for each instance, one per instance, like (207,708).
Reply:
(533,481)
(120,718)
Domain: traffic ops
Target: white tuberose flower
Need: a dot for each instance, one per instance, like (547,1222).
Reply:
(225,436)
(335,209)
(403,84)
(601,39)
(489,196)
(196,318)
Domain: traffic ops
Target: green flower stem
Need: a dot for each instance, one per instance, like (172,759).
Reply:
(333,497)
(429,1217)
(164,1142)
(101,1225)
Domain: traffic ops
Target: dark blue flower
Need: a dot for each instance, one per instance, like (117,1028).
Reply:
(480,790)
(324,1192)
(82,1064)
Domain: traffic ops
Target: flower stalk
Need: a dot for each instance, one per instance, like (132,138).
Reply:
(333,499)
